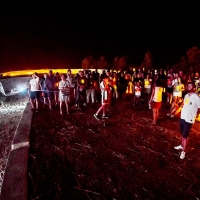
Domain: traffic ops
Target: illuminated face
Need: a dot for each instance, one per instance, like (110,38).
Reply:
(63,77)
(105,80)
(190,87)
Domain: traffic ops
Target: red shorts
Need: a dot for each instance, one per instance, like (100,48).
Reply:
(155,105)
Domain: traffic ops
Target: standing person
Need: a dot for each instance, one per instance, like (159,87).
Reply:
(34,91)
(138,93)
(147,88)
(114,83)
(50,86)
(156,99)
(191,107)
(71,79)
(105,87)
(178,88)
(44,90)
(56,91)
(81,83)
(169,88)
(90,89)
(64,93)
(121,86)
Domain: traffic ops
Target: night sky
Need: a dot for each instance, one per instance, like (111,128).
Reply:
(60,34)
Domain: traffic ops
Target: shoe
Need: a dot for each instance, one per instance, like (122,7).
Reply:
(182,156)
(172,116)
(96,117)
(169,114)
(104,117)
(84,104)
(178,147)
(36,110)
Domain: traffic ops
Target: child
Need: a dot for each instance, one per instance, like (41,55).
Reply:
(105,88)
(138,93)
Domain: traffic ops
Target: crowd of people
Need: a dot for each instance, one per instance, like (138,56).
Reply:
(146,87)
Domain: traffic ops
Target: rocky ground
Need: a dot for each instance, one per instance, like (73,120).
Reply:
(11,110)
(125,157)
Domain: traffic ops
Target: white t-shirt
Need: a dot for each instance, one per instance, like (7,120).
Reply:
(34,84)
(138,90)
(190,107)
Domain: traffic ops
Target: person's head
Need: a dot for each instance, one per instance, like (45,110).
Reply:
(180,73)
(190,87)
(69,71)
(108,73)
(63,76)
(105,79)
(159,83)
(138,83)
(35,74)
(179,79)
(45,75)
(176,75)
(91,76)
(81,73)
(50,72)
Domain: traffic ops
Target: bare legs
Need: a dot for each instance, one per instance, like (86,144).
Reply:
(155,115)
(34,104)
(67,107)
(169,98)
(104,108)
(184,143)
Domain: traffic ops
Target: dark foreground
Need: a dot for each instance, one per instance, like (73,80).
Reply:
(124,157)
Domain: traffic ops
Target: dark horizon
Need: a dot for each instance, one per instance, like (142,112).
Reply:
(58,35)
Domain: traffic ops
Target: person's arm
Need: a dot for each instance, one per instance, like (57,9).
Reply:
(152,94)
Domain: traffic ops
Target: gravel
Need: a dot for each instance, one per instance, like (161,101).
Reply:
(11,111)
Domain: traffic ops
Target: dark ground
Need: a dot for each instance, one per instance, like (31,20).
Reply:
(124,157)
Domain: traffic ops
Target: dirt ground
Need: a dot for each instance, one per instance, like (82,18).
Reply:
(124,157)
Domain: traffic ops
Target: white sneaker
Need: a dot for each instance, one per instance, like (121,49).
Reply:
(182,156)
(178,147)
(96,117)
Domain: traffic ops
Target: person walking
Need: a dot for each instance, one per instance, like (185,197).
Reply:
(156,99)
(34,91)
(191,108)
(105,87)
